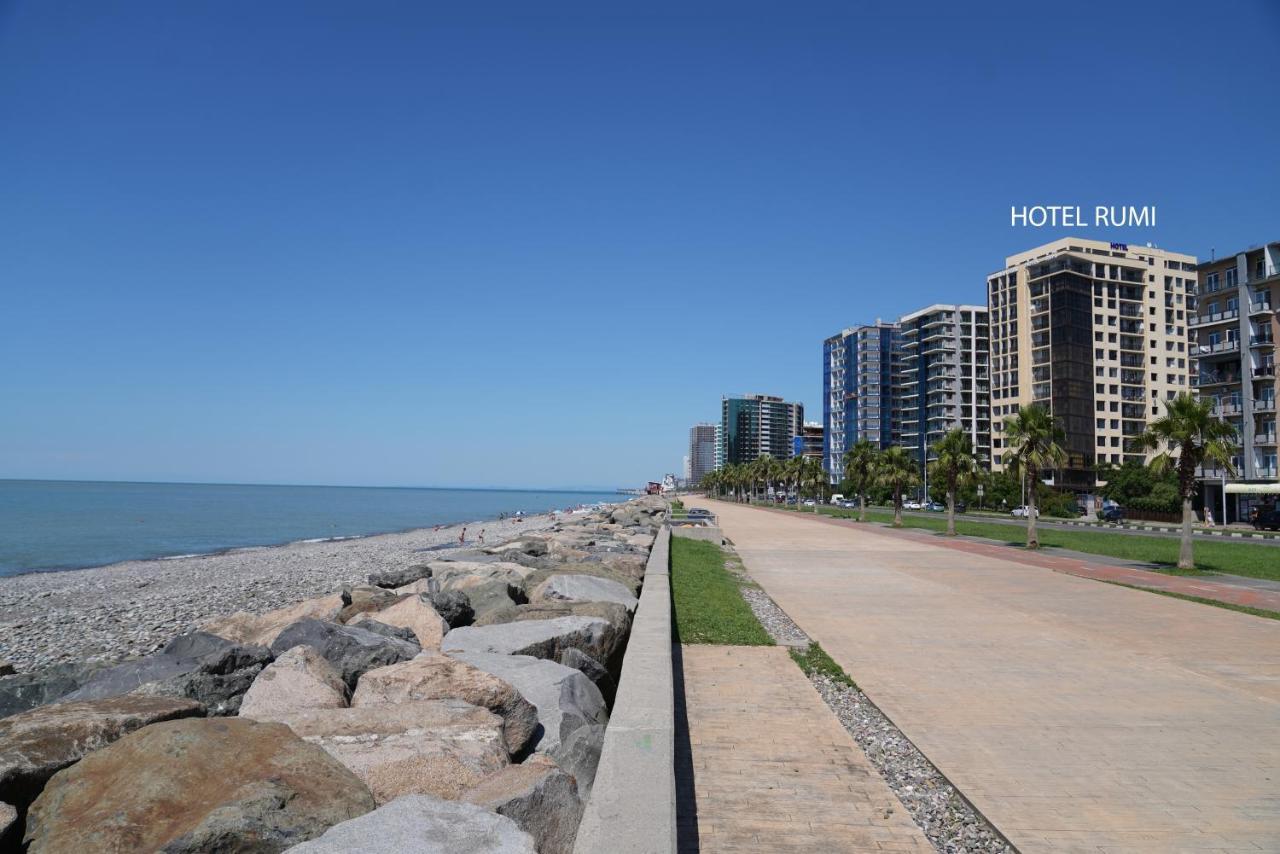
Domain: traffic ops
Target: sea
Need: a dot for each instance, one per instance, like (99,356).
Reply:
(55,525)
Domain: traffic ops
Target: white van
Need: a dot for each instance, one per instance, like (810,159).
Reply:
(836,499)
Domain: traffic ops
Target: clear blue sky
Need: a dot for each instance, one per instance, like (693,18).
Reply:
(528,244)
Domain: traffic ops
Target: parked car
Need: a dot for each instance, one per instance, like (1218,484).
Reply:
(1267,520)
(1114,513)
(911,504)
(1021,512)
(849,505)
(961,507)
(808,502)
(699,512)
(936,507)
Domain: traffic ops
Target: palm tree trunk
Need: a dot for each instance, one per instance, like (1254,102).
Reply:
(1186,559)
(951,512)
(897,507)
(862,507)
(1033,539)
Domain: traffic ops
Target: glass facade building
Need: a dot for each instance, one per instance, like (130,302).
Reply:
(756,425)
(861,371)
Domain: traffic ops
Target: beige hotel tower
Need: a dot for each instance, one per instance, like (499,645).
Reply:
(1097,333)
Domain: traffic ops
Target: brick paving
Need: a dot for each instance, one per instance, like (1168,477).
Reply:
(1076,716)
(772,769)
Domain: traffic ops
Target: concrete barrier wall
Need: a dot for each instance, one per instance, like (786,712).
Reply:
(709,533)
(633,802)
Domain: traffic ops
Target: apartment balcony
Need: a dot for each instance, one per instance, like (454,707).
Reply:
(1260,307)
(1223,410)
(1261,341)
(1266,404)
(1264,440)
(1129,310)
(1132,343)
(1133,410)
(1267,473)
(1132,377)
(1264,371)
(1231,345)
(1133,394)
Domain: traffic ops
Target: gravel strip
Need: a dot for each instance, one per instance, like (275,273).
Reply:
(135,607)
(775,621)
(934,804)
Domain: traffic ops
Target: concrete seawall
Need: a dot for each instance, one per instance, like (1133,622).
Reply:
(633,803)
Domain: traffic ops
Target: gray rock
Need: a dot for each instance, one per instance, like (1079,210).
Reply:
(593,670)
(579,755)
(299,678)
(350,649)
(565,699)
(539,638)
(198,665)
(8,826)
(454,606)
(539,797)
(36,744)
(364,598)
(372,624)
(392,578)
(196,785)
(535,546)
(585,588)
(27,690)
(6,669)
(424,825)
(486,595)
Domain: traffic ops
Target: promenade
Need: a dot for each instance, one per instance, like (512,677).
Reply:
(1076,715)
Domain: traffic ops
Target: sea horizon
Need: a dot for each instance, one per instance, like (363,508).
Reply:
(60,525)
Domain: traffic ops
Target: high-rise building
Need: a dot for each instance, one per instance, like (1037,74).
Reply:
(944,379)
(702,451)
(1236,327)
(809,442)
(754,425)
(860,368)
(1095,332)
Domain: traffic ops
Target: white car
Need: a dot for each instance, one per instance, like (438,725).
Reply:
(911,505)
(808,502)
(1021,512)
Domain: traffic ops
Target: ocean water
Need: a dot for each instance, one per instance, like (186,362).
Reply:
(50,525)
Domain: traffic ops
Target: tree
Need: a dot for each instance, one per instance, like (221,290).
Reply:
(898,470)
(1187,436)
(814,477)
(860,463)
(1032,440)
(956,465)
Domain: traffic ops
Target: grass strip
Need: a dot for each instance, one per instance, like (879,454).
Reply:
(708,607)
(814,661)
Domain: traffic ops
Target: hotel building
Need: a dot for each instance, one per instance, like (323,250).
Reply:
(1099,334)
(755,425)
(1236,327)
(860,369)
(945,381)
(702,451)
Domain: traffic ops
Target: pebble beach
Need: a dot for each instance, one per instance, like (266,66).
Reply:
(134,607)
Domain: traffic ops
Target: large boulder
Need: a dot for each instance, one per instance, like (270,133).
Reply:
(417,615)
(540,638)
(196,785)
(534,546)
(392,578)
(616,615)
(584,588)
(454,606)
(369,622)
(365,598)
(243,627)
(435,747)
(539,797)
(8,826)
(22,691)
(593,670)
(487,595)
(36,744)
(299,678)
(446,574)
(199,666)
(594,570)
(424,825)
(350,649)
(566,699)
(432,676)
(579,755)
(629,565)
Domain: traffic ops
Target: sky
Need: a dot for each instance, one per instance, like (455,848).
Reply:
(485,244)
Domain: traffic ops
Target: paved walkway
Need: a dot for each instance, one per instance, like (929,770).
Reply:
(1076,716)
(772,769)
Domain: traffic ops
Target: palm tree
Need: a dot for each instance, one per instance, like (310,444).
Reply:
(899,471)
(956,465)
(860,463)
(814,477)
(1186,436)
(1032,437)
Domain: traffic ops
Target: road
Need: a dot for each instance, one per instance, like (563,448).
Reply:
(1076,715)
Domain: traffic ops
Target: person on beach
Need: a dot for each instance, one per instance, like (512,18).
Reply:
(481,537)
(462,538)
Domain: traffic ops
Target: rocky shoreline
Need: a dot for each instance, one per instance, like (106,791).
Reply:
(132,608)
(443,700)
